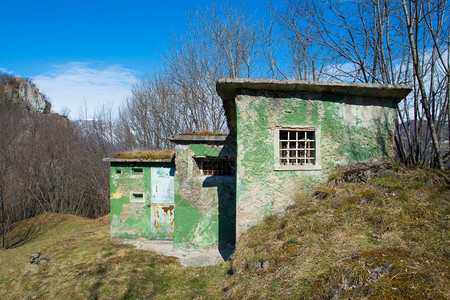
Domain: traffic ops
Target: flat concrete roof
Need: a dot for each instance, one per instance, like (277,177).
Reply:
(226,87)
(188,138)
(141,160)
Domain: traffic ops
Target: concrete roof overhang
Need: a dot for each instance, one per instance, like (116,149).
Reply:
(137,160)
(206,139)
(228,88)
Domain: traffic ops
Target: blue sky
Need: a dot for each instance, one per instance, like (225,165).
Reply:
(89,51)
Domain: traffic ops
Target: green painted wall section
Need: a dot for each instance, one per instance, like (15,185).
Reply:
(205,209)
(203,149)
(351,130)
(185,227)
(130,217)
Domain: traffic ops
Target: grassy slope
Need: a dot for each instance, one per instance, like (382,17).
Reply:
(84,264)
(387,239)
(384,239)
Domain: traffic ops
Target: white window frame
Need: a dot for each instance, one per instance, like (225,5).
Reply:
(276,142)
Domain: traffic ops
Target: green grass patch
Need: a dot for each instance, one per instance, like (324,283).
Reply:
(386,238)
(84,264)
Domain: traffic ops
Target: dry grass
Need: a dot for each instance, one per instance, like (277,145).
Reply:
(204,132)
(146,154)
(84,264)
(386,239)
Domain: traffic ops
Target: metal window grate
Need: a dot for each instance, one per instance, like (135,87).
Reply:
(297,147)
(217,166)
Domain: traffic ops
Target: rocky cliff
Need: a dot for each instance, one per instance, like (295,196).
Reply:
(23,92)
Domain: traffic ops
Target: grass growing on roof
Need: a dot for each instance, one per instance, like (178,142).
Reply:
(204,132)
(146,154)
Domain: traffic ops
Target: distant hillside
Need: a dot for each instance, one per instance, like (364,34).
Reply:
(46,163)
(24,92)
(367,233)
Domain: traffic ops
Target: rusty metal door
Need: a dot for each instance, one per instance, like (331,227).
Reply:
(162,202)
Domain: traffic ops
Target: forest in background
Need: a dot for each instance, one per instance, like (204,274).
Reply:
(378,41)
(49,163)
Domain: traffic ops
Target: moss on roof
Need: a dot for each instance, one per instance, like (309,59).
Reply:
(146,154)
(203,132)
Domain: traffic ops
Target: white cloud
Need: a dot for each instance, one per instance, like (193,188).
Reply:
(75,84)
(3,70)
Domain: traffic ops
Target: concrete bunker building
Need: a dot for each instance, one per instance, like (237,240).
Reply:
(142,196)
(284,136)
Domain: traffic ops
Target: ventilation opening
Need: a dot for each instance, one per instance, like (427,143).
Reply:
(137,197)
(216,166)
(138,171)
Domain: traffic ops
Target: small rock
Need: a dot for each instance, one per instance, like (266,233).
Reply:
(380,271)
(264,264)
(356,176)
(336,294)
(34,258)
(360,173)
(364,199)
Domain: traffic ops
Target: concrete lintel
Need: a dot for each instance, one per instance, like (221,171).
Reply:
(142,160)
(226,87)
(182,138)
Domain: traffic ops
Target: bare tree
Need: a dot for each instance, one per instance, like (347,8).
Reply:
(47,163)
(428,18)
(381,41)
(298,36)
(154,111)
(222,41)
(11,122)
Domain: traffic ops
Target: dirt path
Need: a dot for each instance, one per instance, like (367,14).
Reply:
(187,258)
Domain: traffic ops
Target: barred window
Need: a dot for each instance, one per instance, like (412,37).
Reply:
(297,147)
(216,166)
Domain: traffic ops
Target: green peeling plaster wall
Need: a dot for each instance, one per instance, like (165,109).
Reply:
(203,149)
(130,220)
(350,130)
(205,208)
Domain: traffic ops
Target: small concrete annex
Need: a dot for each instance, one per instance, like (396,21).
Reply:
(284,137)
(142,195)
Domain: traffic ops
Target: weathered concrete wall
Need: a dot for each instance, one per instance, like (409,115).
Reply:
(349,129)
(130,215)
(205,208)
